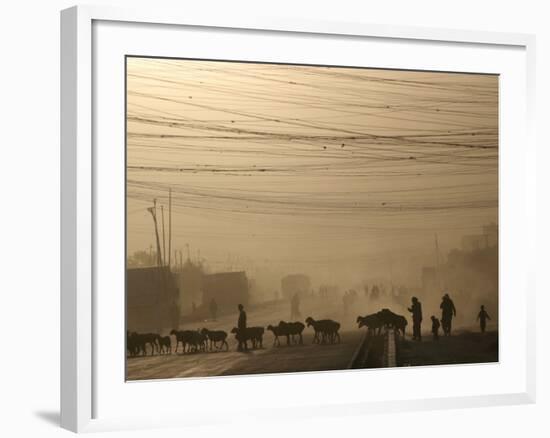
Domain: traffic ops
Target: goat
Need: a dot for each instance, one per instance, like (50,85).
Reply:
(216,336)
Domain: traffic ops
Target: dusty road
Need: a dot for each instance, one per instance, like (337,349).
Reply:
(465,346)
(293,358)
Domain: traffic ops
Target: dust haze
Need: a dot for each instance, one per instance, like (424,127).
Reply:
(372,185)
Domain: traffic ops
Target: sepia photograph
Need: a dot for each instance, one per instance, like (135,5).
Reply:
(285,218)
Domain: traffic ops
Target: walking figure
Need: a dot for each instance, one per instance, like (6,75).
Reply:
(483,316)
(448,310)
(345,300)
(241,326)
(213,309)
(416,310)
(435,328)
(295,307)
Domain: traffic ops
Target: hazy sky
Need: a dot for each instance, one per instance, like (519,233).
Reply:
(304,168)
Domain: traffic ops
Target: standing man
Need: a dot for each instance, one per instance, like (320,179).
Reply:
(482,317)
(416,310)
(448,310)
(241,326)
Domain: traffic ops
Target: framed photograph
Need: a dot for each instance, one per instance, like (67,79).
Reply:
(259,208)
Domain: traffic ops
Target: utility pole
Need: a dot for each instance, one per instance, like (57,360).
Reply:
(163,235)
(188,254)
(169,225)
(153,211)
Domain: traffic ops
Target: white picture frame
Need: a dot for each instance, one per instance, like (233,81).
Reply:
(82,379)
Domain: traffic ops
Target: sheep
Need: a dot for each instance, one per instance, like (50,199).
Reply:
(400,324)
(164,344)
(391,319)
(253,334)
(331,331)
(383,318)
(241,337)
(183,336)
(372,322)
(325,330)
(198,341)
(292,329)
(316,327)
(135,343)
(216,336)
(151,339)
(257,336)
(277,331)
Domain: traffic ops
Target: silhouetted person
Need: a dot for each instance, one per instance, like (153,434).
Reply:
(345,300)
(374,293)
(448,310)
(483,316)
(435,328)
(295,306)
(241,326)
(416,310)
(193,308)
(213,309)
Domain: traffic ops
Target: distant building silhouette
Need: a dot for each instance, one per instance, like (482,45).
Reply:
(152,299)
(228,289)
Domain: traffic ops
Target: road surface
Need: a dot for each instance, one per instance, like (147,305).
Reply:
(464,346)
(293,358)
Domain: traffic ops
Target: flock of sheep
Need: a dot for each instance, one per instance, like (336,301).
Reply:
(195,341)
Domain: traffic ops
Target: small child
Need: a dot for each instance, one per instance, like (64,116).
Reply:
(482,317)
(435,328)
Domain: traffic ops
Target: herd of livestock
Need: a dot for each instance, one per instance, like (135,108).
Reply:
(195,341)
